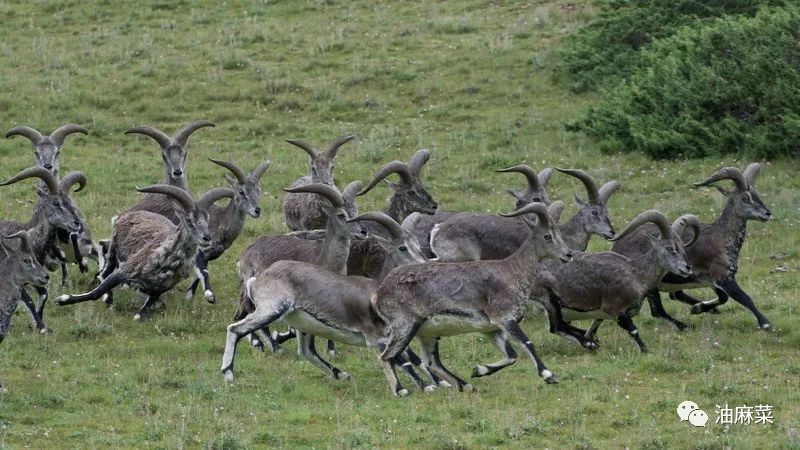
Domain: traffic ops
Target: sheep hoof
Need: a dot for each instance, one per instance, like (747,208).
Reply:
(189,294)
(228,375)
(62,298)
(479,371)
(591,345)
(549,378)
(343,376)
(209,296)
(45,330)
(469,388)
(766,326)
(137,317)
(402,392)
(697,308)
(714,310)
(430,388)
(445,384)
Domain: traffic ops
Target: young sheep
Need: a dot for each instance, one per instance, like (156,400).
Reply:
(331,252)
(318,302)
(607,285)
(151,253)
(18,267)
(445,299)
(422,224)
(227,223)
(173,152)
(715,256)
(304,211)
(408,196)
(54,211)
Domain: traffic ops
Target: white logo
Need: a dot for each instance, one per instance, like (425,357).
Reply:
(688,410)
(685,408)
(698,418)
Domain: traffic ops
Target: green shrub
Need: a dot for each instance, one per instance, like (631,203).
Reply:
(727,86)
(607,50)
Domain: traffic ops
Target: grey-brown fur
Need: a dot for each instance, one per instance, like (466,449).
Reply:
(341,304)
(445,298)
(715,257)
(173,153)
(226,223)
(408,195)
(304,211)
(18,268)
(608,285)
(536,191)
(149,252)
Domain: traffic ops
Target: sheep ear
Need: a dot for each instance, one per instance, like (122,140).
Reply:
(515,195)
(578,199)
(381,240)
(230,180)
(392,186)
(40,192)
(728,194)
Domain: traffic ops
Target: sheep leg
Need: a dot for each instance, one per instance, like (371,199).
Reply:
(657,310)
(109,283)
(626,323)
(331,348)
(591,333)
(76,249)
(408,367)
(400,334)
(151,299)
(43,296)
(417,361)
(512,328)
(559,326)
(389,372)
(683,297)
(308,350)
(208,293)
(430,354)
(64,277)
(237,330)
(5,323)
(37,318)
(732,288)
(505,347)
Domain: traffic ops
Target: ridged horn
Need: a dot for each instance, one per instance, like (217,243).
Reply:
(652,216)
(235,170)
(607,190)
(182,136)
(544,176)
(418,160)
(333,147)
(213,195)
(63,131)
(555,209)
(24,239)
(398,167)
(540,209)
(751,173)
(35,137)
(321,189)
(184,199)
(530,175)
(687,220)
(159,136)
(351,191)
(70,179)
(726,173)
(394,228)
(588,183)
(260,171)
(308,148)
(36,172)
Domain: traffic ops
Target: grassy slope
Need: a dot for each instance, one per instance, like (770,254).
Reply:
(466,79)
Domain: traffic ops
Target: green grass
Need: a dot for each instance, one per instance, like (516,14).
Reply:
(470,80)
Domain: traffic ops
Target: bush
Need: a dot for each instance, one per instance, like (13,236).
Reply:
(728,86)
(607,50)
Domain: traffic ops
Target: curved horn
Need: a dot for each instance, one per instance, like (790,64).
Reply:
(397,167)
(333,147)
(351,190)
(321,189)
(183,134)
(24,239)
(555,209)
(70,179)
(540,209)
(37,172)
(305,146)
(650,215)
(751,173)
(726,173)
(65,130)
(588,183)
(530,175)
(394,228)
(260,170)
(418,160)
(235,170)
(607,190)
(685,220)
(544,176)
(213,195)
(159,136)
(186,201)
(35,137)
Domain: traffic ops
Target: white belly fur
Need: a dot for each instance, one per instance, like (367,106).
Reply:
(302,321)
(444,325)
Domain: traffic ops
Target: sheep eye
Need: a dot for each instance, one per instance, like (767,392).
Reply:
(746,199)
(403,248)
(537,199)
(27,261)
(548,237)
(595,213)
